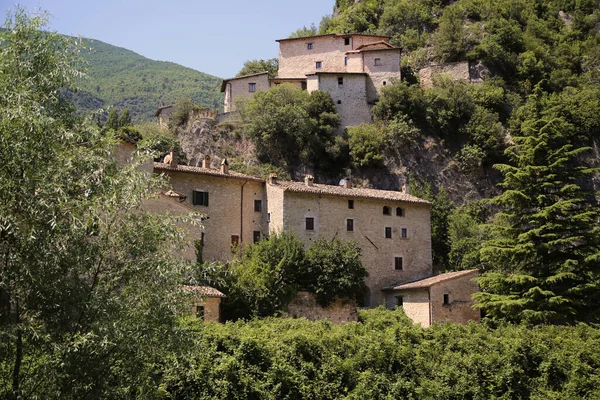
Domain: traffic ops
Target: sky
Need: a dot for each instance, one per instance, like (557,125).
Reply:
(214,37)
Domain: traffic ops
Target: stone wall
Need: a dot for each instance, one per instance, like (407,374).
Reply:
(350,98)
(386,72)
(230,209)
(238,88)
(415,304)
(460,308)
(212,308)
(458,72)
(305,305)
(330,214)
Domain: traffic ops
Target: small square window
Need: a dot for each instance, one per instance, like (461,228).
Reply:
(446,298)
(319,64)
(340,80)
(252,87)
(257,205)
(398,263)
(387,210)
(399,301)
(200,312)
(351,204)
(384,83)
(199,198)
(235,240)
(303,85)
(378,61)
(309,46)
(345,60)
(339,102)
(388,232)
(310,224)
(347,41)
(350,225)
(404,233)
(255,236)
(399,212)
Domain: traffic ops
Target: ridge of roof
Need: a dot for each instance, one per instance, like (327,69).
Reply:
(432,280)
(205,171)
(316,188)
(206,291)
(389,46)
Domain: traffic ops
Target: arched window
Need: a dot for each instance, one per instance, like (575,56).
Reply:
(387,210)
(399,212)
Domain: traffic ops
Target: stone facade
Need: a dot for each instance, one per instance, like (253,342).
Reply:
(205,302)
(305,305)
(458,72)
(352,68)
(441,298)
(163,114)
(243,87)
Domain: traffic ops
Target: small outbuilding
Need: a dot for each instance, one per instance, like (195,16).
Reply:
(205,302)
(441,298)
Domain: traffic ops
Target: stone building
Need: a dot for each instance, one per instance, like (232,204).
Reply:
(205,302)
(351,68)
(163,114)
(441,298)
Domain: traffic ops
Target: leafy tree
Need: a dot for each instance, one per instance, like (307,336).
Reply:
(290,126)
(333,269)
(545,253)
(466,234)
(304,32)
(125,119)
(450,36)
(367,143)
(256,66)
(113,120)
(87,299)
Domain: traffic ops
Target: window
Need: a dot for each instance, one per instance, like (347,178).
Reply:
(398,263)
(252,87)
(378,61)
(404,233)
(384,83)
(346,41)
(399,301)
(387,210)
(309,46)
(235,240)
(339,102)
(388,232)
(399,212)
(345,60)
(310,224)
(340,80)
(446,298)
(350,225)
(351,204)
(303,84)
(319,64)
(269,217)
(200,312)
(255,236)
(199,198)
(257,205)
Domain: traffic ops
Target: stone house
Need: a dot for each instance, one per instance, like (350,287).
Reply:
(205,302)
(163,114)
(352,68)
(440,298)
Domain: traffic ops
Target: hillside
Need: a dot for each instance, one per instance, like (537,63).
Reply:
(117,77)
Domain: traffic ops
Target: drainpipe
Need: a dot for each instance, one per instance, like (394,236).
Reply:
(430,309)
(242,212)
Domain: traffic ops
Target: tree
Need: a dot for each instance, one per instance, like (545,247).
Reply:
(112,121)
(125,119)
(450,36)
(257,66)
(290,126)
(312,30)
(367,144)
(87,299)
(545,255)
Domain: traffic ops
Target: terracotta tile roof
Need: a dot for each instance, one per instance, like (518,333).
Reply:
(381,42)
(224,83)
(333,35)
(204,291)
(434,280)
(301,187)
(205,171)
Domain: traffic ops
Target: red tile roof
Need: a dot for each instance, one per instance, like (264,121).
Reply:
(381,42)
(434,280)
(204,291)
(301,187)
(205,171)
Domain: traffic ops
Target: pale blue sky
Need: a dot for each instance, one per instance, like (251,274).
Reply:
(214,37)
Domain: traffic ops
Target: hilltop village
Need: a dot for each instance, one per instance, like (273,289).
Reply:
(392,228)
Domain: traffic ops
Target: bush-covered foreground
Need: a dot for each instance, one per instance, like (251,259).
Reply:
(386,357)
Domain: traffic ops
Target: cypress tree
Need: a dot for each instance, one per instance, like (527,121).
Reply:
(545,256)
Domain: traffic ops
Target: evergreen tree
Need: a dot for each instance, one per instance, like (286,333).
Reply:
(125,119)
(113,119)
(546,250)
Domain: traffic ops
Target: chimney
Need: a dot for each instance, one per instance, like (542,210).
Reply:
(405,188)
(273,179)
(308,180)
(173,161)
(348,183)
(224,166)
(206,162)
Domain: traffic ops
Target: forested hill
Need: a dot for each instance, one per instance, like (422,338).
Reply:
(117,77)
